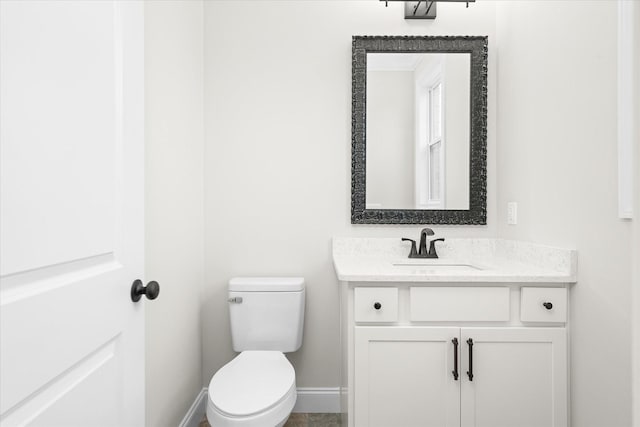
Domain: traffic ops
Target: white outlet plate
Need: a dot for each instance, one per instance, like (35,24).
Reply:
(512,213)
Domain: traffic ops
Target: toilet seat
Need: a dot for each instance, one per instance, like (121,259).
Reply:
(256,386)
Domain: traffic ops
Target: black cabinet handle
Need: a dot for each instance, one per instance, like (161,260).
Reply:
(377,305)
(455,359)
(152,290)
(470,371)
(547,305)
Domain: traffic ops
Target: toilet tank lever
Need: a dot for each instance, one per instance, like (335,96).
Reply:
(235,300)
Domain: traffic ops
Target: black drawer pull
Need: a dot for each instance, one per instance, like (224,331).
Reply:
(377,305)
(547,305)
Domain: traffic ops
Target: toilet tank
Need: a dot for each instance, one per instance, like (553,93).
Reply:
(266,313)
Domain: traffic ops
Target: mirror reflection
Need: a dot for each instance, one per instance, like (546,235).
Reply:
(418,131)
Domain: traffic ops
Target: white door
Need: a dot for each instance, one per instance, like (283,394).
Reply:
(71,213)
(519,377)
(405,377)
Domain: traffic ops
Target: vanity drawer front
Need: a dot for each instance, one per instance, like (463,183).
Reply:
(454,304)
(376,305)
(543,305)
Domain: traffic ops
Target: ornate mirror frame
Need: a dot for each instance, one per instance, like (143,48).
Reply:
(477,47)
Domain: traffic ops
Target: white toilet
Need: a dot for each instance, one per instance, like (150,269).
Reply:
(258,387)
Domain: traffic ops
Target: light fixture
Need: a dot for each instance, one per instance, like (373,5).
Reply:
(425,9)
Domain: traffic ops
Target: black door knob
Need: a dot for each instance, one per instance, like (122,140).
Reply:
(151,290)
(377,305)
(547,305)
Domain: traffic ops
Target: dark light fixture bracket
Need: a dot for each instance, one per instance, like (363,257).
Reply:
(424,9)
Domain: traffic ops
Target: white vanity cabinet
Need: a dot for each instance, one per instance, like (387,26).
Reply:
(451,356)
(497,309)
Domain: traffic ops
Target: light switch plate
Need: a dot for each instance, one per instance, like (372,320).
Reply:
(512,213)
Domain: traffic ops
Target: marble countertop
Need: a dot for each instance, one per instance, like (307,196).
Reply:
(460,261)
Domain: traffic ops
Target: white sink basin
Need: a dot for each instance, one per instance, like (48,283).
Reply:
(436,265)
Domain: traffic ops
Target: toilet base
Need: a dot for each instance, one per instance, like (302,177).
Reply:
(275,416)
(283,422)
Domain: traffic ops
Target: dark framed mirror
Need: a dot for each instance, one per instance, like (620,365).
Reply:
(419,130)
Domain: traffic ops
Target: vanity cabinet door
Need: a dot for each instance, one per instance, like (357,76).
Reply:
(404,377)
(519,377)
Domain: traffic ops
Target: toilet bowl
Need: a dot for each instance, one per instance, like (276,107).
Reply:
(258,387)
(255,389)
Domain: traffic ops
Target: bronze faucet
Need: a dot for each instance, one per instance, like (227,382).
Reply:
(422,252)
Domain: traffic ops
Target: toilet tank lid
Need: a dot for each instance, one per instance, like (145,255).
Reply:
(266,284)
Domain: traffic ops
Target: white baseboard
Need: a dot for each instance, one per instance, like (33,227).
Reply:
(196,412)
(318,400)
(310,400)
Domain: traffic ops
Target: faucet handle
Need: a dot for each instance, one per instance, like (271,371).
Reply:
(432,247)
(413,252)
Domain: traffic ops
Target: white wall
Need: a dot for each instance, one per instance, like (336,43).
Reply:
(390,139)
(557,157)
(636,225)
(174,206)
(278,153)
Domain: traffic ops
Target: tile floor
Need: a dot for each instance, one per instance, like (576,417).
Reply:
(305,420)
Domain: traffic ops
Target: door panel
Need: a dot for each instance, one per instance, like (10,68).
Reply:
(59,101)
(403,377)
(71,213)
(68,399)
(519,377)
